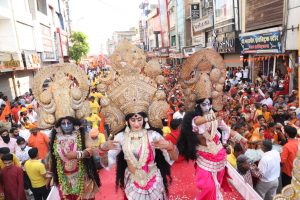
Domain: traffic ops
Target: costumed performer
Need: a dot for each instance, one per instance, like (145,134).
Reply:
(63,105)
(142,155)
(203,134)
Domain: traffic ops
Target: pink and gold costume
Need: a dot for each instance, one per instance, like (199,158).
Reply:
(211,174)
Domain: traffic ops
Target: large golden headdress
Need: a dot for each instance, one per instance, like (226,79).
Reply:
(60,90)
(203,76)
(135,89)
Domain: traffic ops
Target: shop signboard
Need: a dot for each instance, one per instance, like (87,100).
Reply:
(261,43)
(32,59)
(49,53)
(163,52)
(187,52)
(195,11)
(203,23)
(9,61)
(199,39)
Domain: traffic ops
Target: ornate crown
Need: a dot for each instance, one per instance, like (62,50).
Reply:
(203,76)
(135,89)
(57,95)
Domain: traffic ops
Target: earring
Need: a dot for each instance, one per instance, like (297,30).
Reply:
(147,124)
(127,129)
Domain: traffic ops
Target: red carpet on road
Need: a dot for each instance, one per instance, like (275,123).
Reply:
(182,187)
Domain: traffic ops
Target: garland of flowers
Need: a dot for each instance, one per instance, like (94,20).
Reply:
(62,178)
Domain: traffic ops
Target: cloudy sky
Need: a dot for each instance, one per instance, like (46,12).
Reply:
(100,18)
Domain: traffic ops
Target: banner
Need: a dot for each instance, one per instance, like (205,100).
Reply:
(195,11)
(203,23)
(261,43)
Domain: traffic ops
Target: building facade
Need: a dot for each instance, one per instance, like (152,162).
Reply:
(32,35)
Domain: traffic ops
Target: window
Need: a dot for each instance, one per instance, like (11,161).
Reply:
(42,6)
(173,40)
(204,7)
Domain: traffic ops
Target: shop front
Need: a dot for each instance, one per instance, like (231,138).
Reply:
(262,50)
(228,45)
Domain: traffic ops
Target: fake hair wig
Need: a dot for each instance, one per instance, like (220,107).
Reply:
(163,166)
(87,162)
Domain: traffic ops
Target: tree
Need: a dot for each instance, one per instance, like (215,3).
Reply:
(79,47)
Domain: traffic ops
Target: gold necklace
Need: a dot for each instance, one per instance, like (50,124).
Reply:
(129,148)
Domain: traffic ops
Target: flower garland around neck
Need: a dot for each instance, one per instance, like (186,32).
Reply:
(128,151)
(62,178)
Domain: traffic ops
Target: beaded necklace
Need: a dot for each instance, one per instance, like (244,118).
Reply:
(63,179)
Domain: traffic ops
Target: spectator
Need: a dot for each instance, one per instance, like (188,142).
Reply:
(5,150)
(37,174)
(94,120)
(22,150)
(39,141)
(6,141)
(288,155)
(280,116)
(32,115)
(247,170)
(12,179)
(180,113)
(269,167)
(14,133)
(175,131)
(166,129)
(94,105)
(237,150)
(267,99)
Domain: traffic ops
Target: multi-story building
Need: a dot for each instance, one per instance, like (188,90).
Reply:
(119,36)
(32,34)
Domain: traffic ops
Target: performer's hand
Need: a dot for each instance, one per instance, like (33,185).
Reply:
(71,155)
(109,145)
(162,144)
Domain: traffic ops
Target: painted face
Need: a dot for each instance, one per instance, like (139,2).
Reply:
(205,106)
(136,122)
(67,126)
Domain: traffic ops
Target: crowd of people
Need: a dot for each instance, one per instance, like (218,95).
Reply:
(262,111)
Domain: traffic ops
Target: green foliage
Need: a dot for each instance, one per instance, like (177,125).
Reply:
(79,47)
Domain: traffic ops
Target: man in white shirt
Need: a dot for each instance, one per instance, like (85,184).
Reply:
(267,99)
(180,113)
(269,167)
(245,74)
(31,114)
(238,75)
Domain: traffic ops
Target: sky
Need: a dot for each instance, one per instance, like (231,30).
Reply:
(98,19)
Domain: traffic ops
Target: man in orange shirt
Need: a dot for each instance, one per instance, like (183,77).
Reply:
(39,141)
(288,155)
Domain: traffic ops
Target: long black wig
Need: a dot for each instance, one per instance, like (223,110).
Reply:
(88,162)
(188,140)
(162,164)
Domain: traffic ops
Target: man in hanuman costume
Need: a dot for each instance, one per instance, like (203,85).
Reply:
(62,106)
(142,155)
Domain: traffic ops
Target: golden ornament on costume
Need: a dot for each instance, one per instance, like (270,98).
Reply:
(203,74)
(135,89)
(59,99)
